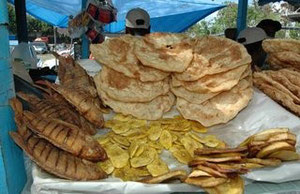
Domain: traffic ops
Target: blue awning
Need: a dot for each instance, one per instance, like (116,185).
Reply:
(166,16)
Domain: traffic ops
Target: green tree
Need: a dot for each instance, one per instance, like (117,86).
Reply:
(226,18)
(33,24)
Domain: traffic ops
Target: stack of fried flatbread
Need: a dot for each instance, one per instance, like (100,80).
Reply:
(217,84)
(283,53)
(138,84)
(283,86)
(210,76)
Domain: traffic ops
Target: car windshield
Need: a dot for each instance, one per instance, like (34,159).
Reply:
(38,43)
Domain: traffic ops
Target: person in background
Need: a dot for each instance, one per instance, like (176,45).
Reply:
(231,33)
(252,39)
(270,27)
(137,22)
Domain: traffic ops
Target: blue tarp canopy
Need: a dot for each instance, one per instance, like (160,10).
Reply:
(166,15)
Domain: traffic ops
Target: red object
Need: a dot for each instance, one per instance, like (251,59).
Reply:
(92,34)
(93,10)
(42,39)
(105,16)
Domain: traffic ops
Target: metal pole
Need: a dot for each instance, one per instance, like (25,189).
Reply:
(242,15)
(12,170)
(85,51)
(22,31)
(54,30)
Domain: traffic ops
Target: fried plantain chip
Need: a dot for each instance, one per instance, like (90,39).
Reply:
(211,171)
(177,174)
(205,182)
(274,147)
(209,151)
(157,167)
(106,166)
(233,186)
(166,139)
(117,155)
(265,162)
(285,155)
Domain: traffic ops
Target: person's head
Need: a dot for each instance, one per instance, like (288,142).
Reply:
(270,27)
(252,39)
(137,22)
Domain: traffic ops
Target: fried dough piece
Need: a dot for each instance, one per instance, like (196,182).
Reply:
(83,102)
(125,89)
(141,110)
(56,161)
(281,77)
(213,55)
(177,174)
(281,45)
(117,54)
(64,135)
(283,96)
(164,51)
(52,109)
(215,83)
(217,110)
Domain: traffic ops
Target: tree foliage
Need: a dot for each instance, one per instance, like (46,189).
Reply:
(33,25)
(226,18)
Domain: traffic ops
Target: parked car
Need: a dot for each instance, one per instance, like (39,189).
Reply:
(40,47)
(42,39)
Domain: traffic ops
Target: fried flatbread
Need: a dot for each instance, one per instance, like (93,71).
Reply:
(215,83)
(277,92)
(217,110)
(152,110)
(164,51)
(214,55)
(125,89)
(117,54)
(281,45)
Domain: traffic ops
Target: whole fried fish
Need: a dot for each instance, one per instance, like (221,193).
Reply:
(51,158)
(49,108)
(83,102)
(73,76)
(63,135)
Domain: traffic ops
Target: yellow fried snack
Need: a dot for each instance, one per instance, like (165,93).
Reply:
(165,139)
(144,159)
(181,155)
(106,166)
(154,132)
(117,155)
(157,167)
(232,186)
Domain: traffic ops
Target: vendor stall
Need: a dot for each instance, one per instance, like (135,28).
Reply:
(160,113)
